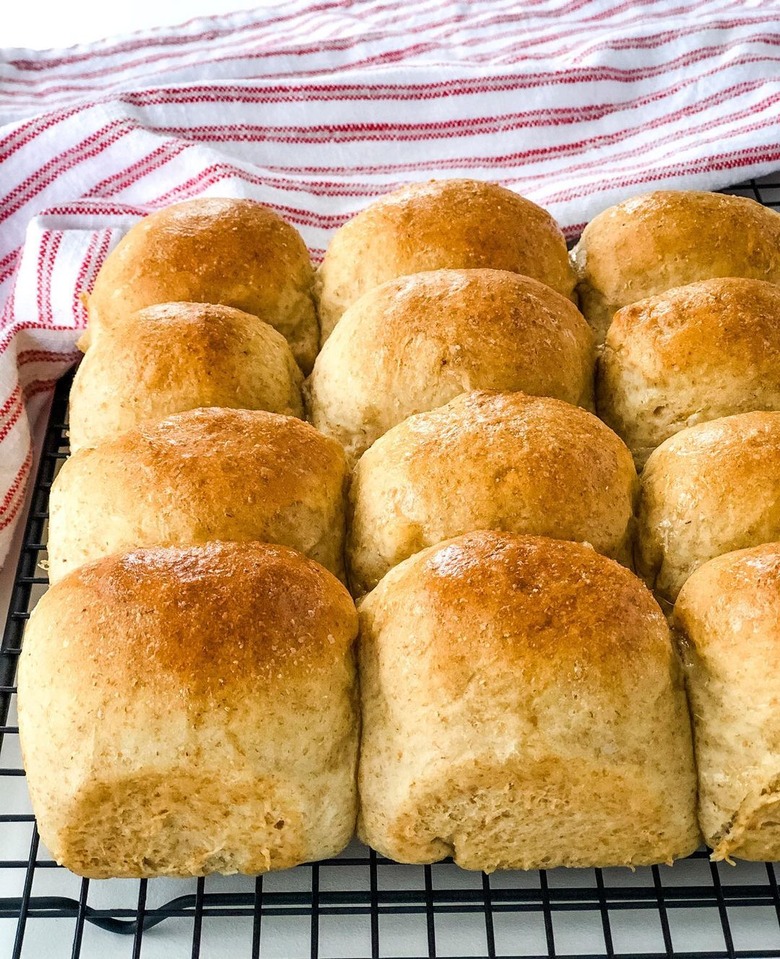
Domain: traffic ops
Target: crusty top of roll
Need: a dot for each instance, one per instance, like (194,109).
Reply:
(514,455)
(691,354)
(441,224)
(179,356)
(417,342)
(734,600)
(705,491)
(567,610)
(667,238)
(212,250)
(202,475)
(282,618)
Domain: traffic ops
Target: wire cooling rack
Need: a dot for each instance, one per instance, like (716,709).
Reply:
(359,904)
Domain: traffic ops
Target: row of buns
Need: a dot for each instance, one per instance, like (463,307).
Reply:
(437,289)
(458,376)
(524,464)
(520,705)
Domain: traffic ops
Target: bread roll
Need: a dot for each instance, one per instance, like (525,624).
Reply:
(522,708)
(489,461)
(728,615)
(442,224)
(660,240)
(708,490)
(692,354)
(419,341)
(212,250)
(204,475)
(188,711)
(176,357)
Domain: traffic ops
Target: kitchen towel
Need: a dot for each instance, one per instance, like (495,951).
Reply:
(315,108)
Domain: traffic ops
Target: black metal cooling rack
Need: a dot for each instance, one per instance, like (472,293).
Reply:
(359,904)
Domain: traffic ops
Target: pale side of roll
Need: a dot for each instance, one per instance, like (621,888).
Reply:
(692,354)
(523,707)
(417,342)
(212,250)
(207,474)
(660,240)
(180,356)
(504,461)
(728,617)
(189,711)
(442,224)
(708,490)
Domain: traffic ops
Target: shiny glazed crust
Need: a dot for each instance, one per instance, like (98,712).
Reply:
(180,356)
(417,342)
(208,474)
(657,241)
(489,461)
(212,250)
(442,224)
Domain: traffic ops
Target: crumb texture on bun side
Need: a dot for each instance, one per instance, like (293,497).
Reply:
(503,461)
(523,707)
(708,490)
(657,241)
(728,620)
(692,354)
(180,356)
(189,711)
(208,474)
(442,224)
(212,250)
(417,342)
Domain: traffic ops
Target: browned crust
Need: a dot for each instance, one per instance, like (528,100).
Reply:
(279,615)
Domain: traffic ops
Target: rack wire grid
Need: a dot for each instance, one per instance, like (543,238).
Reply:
(358,904)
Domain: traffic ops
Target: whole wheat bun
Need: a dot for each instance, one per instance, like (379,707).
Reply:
(689,355)
(207,474)
(180,356)
(417,342)
(442,224)
(660,240)
(489,461)
(728,618)
(212,250)
(188,711)
(523,707)
(708,490)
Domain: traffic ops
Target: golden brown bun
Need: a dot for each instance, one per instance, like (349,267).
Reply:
(204,475)
(212,250)
(417,342)
(706,491)
(442,224)
(689,355)
(489,461)
(522,708)
(668,238)
(187,711)
(728,615)
(176,357)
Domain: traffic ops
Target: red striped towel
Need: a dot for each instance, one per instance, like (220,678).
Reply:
(317,107)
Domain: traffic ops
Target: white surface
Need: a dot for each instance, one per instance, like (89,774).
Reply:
(51,23)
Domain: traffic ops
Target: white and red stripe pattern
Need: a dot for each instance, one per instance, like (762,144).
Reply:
(317,106)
